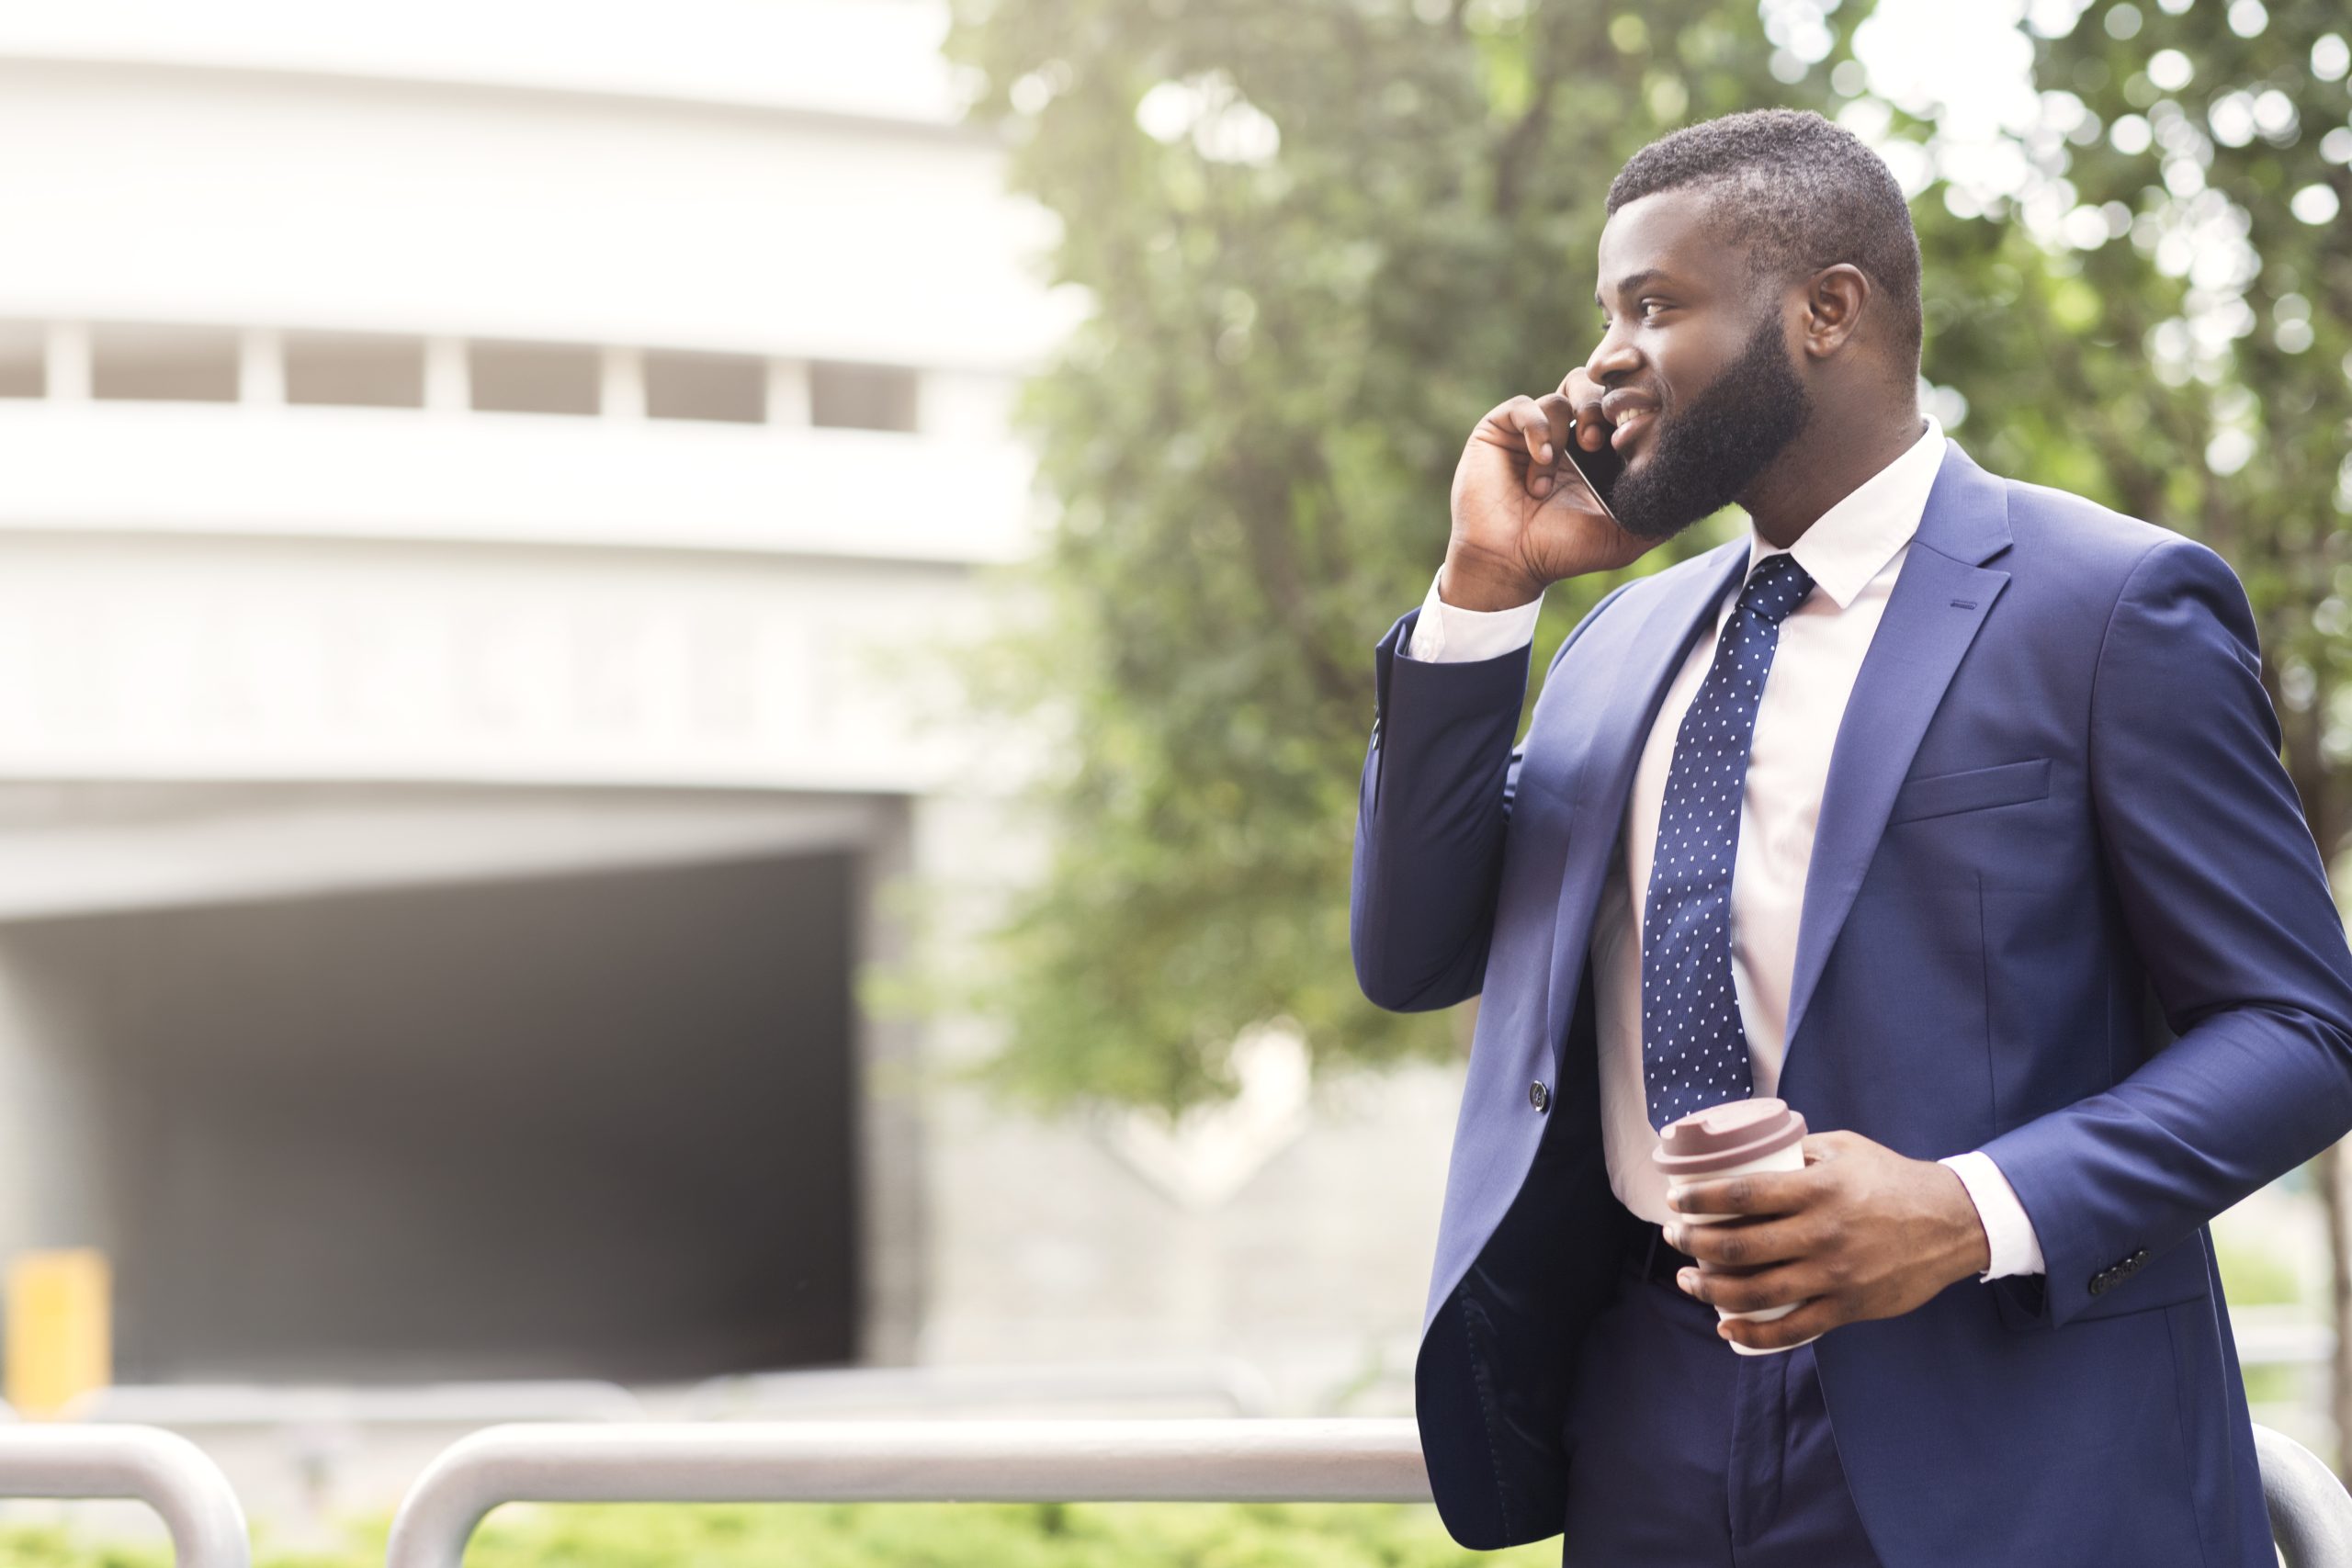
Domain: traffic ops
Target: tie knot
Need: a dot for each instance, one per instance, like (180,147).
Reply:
(1777,586)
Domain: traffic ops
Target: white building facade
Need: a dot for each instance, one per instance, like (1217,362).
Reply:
(483,490)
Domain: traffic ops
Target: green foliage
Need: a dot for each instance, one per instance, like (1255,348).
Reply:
(1251,443)
(909,1535)
(1252,439)
(2182,353)
(2220,131)
(29,1547)
(2256,1276)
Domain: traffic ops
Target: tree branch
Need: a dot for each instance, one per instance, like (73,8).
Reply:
(1528,132)
(1272,551)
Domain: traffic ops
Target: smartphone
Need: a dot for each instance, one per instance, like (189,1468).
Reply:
(1600,470)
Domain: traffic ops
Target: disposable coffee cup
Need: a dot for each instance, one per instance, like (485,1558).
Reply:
(1732,1139)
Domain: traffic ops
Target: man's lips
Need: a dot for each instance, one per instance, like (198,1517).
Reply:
(1630,411)
(1631,425)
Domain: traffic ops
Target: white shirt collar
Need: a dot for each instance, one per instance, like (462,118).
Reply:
(1849,543)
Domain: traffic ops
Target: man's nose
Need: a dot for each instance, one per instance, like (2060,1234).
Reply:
(1613,356)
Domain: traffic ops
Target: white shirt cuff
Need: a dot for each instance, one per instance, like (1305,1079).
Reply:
(1448,634)
(2014,1247)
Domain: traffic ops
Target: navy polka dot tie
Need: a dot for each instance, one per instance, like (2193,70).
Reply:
(1694,1050)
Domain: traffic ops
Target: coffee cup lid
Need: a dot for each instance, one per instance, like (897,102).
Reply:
(1720,1137)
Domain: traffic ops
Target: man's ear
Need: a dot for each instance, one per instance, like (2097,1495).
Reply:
(1835,298)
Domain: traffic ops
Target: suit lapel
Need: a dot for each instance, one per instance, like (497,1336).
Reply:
(1940,602)
(1680,610)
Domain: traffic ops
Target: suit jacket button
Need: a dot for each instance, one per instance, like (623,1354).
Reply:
(1538,1096)
(2099,1283)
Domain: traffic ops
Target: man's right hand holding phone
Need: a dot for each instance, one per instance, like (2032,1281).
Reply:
(1524,516)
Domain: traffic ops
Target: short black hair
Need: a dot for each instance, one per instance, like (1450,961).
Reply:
(1800,193)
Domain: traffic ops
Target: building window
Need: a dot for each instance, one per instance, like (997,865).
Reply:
(369,371)
(24,364)
(174,365)
(727,386)
(862,397)
(534,377)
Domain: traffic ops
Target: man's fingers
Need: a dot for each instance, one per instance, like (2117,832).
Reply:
(1508,425)
(1583,394)
(1751,1292)
(1527,429)
(1741,1246)
(1528,424)
(1559,417)
(1816,1310)
(1759,1192)
(1818,1315)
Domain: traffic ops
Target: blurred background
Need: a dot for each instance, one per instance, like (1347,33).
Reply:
(681,687)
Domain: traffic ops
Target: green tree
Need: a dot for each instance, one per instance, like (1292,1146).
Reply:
(1322,239)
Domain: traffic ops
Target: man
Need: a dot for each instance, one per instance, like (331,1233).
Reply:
(1946,807)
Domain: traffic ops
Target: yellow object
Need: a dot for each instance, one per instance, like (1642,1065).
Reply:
(60,1328)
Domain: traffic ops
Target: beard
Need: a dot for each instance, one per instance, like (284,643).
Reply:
(1705,456)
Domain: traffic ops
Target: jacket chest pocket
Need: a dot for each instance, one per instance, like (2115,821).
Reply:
(1975,789)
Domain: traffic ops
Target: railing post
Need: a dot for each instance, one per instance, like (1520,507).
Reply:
(2310,1514)
(168,1473)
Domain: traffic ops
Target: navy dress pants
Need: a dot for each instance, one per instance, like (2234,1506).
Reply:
(1683,1453)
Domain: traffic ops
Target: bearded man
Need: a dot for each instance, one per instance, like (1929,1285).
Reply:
(1945,808)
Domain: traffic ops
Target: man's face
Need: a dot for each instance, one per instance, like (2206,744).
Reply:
(1694,366)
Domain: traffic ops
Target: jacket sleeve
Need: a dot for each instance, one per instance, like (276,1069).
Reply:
(2228,906)
(1439,776)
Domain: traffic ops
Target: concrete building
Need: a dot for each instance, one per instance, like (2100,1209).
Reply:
(481,488)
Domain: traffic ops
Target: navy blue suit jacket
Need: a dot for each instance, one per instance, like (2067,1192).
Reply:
(2063,906)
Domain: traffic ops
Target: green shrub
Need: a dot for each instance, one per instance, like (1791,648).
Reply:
(904,1535)
(2256,1276)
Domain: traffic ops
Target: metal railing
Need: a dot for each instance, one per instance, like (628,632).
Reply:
(1335,1461)
(1350,1459)
(1345,1459)
(168,1473)
(2311,1514)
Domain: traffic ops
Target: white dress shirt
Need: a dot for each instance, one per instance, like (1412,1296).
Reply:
(1853,552)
